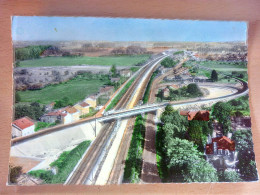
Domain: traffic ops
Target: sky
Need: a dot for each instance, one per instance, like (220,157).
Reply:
(39,28)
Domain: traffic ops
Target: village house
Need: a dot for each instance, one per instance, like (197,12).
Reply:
(72,115)
(22,127)
(220,152)
(125,72)
(107,90)
(201,115)
(53,117)
(92,101)
(82,107)
(166,92)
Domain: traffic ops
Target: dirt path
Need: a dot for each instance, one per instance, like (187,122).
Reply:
(149,168)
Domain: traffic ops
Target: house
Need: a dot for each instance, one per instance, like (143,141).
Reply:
(166,92)
(115,80)
(220,145)
(107,90)
(72,115)
(125,72)
(201,115)
(82,107)
(220,152)
(92,101)
(53,117)
(22,127)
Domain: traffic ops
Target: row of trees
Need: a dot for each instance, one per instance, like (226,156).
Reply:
(33,110)
(30,52)
(133,163)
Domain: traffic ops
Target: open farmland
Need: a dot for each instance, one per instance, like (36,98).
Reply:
(76,89)
(122,60)
(224,66)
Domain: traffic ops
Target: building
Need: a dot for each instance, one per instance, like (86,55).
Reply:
(220,152)
(201,115)
(72,115)
(22,127)
(82,107)
(107,90)
(115,80)
(166,92)
(125,72)
(92,101)
(53,117)
(220,145)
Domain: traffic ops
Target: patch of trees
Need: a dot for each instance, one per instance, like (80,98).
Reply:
(133,163)
(130,50)
(240,106)
(168,62)
(246,156)
(180,159)
(65,101)
(190,91)
(30,52)
(52,51)
(33,110)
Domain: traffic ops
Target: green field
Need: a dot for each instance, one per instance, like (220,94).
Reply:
(224,66)
(76,89)
(123,60)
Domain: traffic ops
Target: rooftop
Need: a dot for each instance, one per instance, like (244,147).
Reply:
(23,123)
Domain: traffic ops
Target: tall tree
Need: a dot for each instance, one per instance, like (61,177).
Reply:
(222,111)
(214,75)
(113,70)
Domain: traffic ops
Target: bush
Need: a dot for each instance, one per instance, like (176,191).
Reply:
(15,172)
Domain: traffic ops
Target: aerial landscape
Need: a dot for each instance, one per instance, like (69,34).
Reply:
(124,100)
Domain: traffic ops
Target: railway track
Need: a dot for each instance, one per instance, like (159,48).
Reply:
(125,99)
(88,162)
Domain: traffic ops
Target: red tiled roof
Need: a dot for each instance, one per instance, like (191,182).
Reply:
(56,113)
(222,143)
(196,115)
(23,123)
(71,110)
(84,104)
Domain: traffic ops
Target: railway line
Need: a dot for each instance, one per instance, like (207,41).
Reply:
(82,172)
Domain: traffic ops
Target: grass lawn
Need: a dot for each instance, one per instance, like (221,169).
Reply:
(124,60)
(76,89)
